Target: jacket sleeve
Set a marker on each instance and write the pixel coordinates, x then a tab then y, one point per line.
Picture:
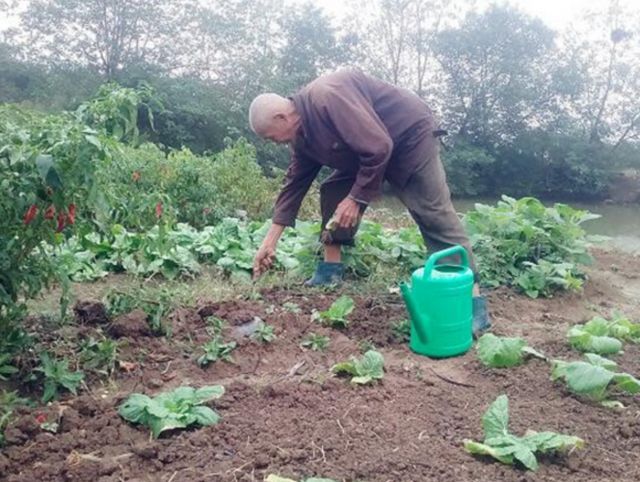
360	128
300	174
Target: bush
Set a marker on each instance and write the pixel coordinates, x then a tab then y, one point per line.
46	170
197	190
524	243
468	169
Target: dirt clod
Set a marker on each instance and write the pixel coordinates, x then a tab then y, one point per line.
90	313
131	324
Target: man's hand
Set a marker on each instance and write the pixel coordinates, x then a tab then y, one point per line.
263	259
267	252
347	213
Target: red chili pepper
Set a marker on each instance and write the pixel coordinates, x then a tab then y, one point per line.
41	418
61	220
71	215
50	213
159	210
30	214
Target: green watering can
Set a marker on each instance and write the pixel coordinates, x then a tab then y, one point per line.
440	303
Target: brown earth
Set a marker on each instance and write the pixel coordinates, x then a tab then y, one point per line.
283	412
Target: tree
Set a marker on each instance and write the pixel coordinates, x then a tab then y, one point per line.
396	38
311	45
607	51
498	74
108	35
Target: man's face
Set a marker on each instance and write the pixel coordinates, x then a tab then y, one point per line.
281	130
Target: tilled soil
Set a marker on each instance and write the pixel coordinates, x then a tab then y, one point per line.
283	413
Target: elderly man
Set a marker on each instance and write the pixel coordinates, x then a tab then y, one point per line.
367	131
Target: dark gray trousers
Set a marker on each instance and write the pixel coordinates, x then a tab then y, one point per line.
427	198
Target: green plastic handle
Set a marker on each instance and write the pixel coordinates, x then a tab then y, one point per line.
435	257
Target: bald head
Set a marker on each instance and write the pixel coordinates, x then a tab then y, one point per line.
273	117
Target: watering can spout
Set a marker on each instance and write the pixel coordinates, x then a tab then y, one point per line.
417	319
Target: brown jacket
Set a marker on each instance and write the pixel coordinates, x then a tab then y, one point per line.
355	124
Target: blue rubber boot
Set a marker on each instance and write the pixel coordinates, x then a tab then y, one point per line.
481	321
326	274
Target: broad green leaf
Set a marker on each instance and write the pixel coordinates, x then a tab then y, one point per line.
586	379
482	449
495	421
71	380
134	408
551	441
338	311
526	457
159	425
208	393
604	345
600	361
183	393
588	342
342	307
500	352
362	380
597	326
50	391
348	367
277	478
205	416
370	365
626	383
157	408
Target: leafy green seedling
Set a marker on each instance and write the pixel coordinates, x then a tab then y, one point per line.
179	408
585	339
401	330
507	448
100	356
9	401
503	352
264	333
622	328
543	277
337	313
156	309
56	376
595	378
216	324
603	336
215	350
6	369
315	342
364	370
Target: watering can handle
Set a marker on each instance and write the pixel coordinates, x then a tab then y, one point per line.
435	257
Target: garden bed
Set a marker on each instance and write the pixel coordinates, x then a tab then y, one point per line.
285	413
